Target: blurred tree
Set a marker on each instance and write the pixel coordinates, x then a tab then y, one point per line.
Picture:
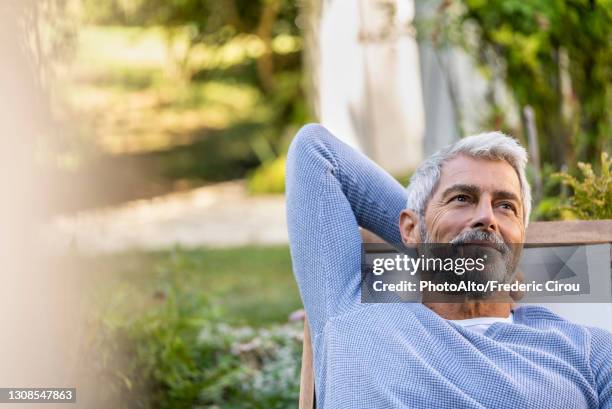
212	22
266	35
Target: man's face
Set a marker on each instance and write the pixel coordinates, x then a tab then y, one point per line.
476	194
477	203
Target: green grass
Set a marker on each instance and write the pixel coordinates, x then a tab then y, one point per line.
250	285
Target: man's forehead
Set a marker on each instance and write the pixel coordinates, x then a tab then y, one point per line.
489	175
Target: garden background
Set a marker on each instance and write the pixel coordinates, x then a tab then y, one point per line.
166	128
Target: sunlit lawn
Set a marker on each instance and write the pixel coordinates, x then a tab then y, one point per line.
128	91
250	285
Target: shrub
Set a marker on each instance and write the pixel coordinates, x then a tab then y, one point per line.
592	193
269	177
180	353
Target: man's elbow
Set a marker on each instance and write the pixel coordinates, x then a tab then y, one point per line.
307	138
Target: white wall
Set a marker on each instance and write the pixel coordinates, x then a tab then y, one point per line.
369	87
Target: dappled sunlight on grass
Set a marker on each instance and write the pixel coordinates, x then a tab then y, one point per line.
156	119
129	102
112	47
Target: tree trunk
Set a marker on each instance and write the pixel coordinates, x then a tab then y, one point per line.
265	62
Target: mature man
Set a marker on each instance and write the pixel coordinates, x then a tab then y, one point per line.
469	354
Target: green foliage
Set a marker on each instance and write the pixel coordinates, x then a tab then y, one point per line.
180	355
177	350
555	56
269	177
547	209
592	193
212	22
214	18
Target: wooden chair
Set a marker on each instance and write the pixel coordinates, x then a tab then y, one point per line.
564	232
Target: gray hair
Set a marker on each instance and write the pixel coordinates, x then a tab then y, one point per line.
490	145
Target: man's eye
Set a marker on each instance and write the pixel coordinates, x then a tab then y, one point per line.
461	198
507	206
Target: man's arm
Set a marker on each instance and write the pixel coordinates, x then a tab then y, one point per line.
331	190
601	364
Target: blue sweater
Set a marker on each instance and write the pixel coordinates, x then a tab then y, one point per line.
405	355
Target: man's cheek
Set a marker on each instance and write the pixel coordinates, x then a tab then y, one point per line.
513	233
450	226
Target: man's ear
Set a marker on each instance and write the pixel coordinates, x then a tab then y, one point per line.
409	227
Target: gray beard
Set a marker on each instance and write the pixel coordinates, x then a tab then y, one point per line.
501	261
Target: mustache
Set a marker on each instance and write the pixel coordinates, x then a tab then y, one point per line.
471	236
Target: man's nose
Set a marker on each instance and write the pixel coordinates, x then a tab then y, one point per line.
484	217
